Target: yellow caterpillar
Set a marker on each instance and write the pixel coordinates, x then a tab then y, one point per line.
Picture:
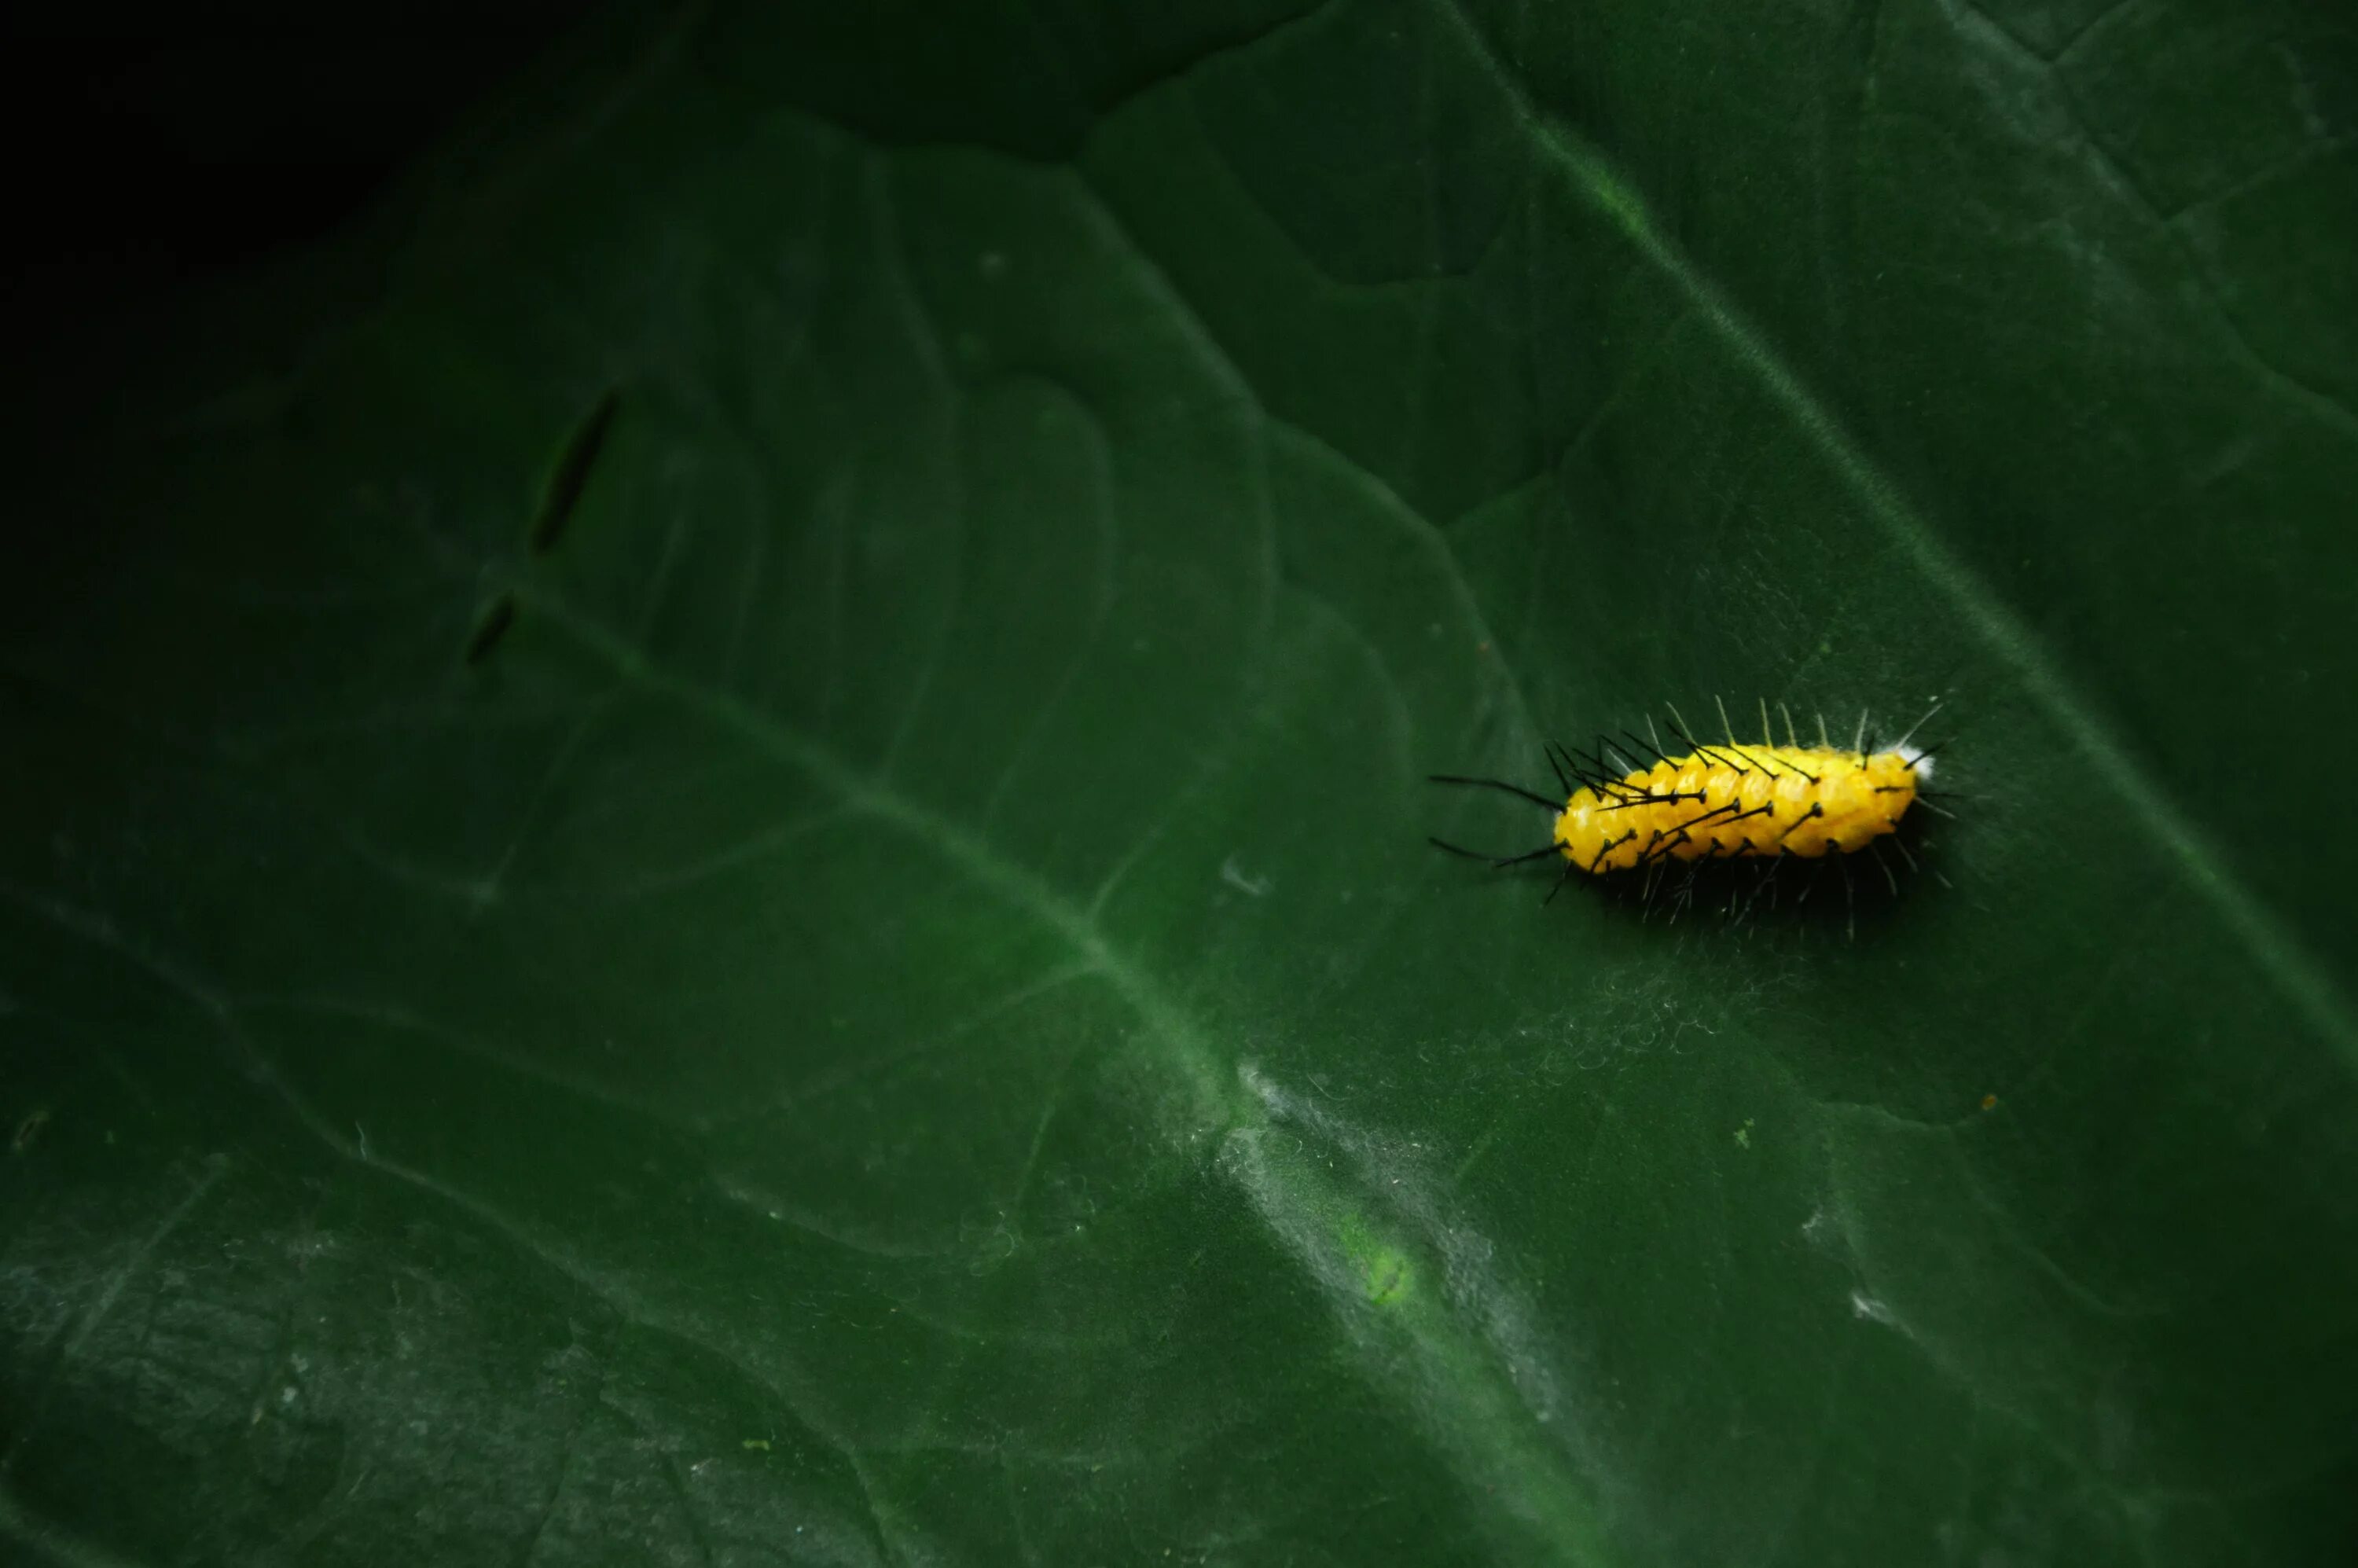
1721	802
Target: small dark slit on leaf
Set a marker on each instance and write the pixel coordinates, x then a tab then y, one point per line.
572	476
490	627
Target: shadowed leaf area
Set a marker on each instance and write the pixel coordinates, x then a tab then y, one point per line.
730	867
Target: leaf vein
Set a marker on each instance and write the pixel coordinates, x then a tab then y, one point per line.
2279	952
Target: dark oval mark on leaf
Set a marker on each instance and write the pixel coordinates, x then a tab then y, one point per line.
572	475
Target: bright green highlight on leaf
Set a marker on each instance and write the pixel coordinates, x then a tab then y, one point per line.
1385	1271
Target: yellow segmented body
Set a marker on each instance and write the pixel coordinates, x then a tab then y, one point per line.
1737	802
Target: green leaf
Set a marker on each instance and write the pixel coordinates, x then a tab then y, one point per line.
739	874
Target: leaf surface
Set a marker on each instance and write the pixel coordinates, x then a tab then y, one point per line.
740	876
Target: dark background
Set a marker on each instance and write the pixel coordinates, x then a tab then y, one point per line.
150	153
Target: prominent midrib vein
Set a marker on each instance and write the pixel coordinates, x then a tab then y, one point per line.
1550	1498
865	797
2279	952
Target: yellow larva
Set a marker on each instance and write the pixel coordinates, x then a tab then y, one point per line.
1721	802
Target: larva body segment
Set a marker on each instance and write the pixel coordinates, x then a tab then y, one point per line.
1738	802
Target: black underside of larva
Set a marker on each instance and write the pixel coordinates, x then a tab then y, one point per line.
1848	895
